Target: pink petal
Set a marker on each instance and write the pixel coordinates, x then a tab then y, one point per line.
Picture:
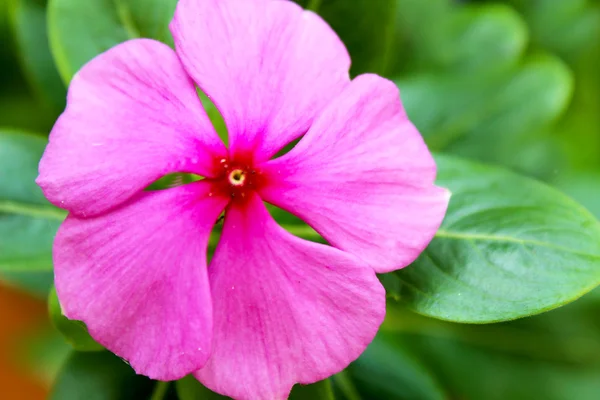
286	310
133	116
268	65
363	178
137	277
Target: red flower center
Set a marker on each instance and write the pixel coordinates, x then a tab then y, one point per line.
237	178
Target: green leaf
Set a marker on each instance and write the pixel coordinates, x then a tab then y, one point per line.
80	30
29	26
422	35
512	119
567	27
509	247
320	390
387	371
74	332
553	356
99	376
28	222
456	113
582	186
486	38
439	36
189	388
366	27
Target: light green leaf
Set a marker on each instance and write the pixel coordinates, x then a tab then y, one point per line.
582	186
437	35
567	27
74	332
99	376
80	30
422	38
509	247
28	222
486	38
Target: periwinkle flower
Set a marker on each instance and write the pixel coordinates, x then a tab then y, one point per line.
271	309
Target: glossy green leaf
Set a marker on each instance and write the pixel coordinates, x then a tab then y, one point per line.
74	332
189	388
387	371
80	30
509	247
99	376
29	26
28	222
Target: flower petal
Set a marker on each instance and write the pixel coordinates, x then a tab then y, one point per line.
363	178
268	65
137	277
133	116
286	310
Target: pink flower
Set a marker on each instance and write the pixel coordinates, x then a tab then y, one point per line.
271	309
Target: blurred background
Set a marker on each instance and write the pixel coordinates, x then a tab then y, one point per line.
514	83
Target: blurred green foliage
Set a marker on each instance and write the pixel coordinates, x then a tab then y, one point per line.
514	83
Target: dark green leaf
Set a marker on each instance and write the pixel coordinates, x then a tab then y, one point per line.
74	332
29	25
552	356
509	247
387	371
366	27
189	388
99	376
319	390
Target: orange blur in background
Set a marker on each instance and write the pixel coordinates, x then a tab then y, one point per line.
20	314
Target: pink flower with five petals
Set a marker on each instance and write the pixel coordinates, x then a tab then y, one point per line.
271	309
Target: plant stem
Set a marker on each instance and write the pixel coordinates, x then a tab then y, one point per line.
314	5
160	390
